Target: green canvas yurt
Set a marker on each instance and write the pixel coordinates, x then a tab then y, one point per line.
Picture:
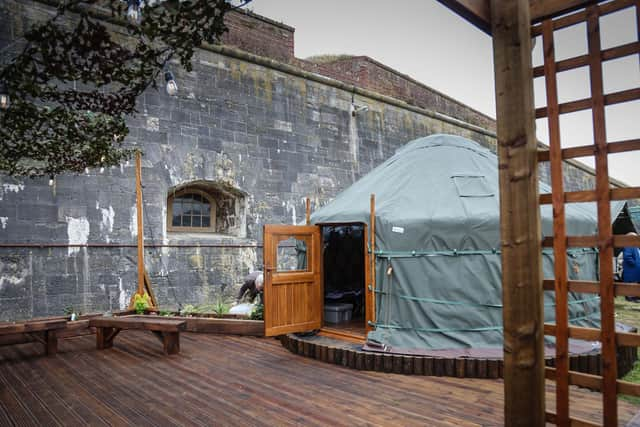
438	268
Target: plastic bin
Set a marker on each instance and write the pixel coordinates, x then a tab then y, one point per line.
337	312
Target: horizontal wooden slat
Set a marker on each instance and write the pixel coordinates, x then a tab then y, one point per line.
630	389
620	288
584	104
626	241
625	193
581	16
590	150
586	334
619	241
155	323
570	197
594	382
8	328
583	60
550	417
623	146
628	339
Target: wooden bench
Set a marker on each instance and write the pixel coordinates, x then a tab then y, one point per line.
167	331
44	331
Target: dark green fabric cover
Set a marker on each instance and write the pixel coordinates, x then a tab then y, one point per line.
439	196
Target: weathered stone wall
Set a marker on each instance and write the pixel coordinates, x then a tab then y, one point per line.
272	133
368	73
276	136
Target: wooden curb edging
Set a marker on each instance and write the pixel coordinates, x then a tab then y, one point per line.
436	366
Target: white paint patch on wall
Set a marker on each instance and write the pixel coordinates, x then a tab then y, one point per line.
106	225
3	221
283	126
354	146
133	222
291	208
153	124
122	295
165	240
12	279
173	175
248	258
10	188
78	233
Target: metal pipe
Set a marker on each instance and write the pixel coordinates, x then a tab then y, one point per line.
120	245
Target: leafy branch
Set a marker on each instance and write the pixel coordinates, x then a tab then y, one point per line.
74	83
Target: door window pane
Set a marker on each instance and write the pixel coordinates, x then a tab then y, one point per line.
291	255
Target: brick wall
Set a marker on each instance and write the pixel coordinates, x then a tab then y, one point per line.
264	37
259	35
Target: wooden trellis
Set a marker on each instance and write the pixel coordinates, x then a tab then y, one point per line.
512	24
603	194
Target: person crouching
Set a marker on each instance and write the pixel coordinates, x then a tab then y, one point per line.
251	290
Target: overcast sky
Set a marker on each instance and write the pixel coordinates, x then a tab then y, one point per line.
425	40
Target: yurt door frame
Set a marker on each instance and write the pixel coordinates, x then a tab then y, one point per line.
294	300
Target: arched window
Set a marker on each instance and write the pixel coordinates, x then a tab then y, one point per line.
191	210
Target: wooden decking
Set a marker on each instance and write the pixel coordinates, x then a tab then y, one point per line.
227	380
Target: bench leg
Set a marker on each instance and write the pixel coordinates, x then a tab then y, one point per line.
51	342
105	336
171	342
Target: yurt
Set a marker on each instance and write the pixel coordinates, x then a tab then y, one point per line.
437	249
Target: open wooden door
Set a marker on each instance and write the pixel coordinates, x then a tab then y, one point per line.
293	297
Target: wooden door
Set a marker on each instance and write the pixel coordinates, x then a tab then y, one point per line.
292	279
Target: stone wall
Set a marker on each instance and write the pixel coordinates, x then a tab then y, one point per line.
275	136
265	130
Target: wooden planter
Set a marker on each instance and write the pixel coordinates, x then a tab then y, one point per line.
227	324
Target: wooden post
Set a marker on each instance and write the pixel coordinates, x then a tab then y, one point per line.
308	211
605	240
559	228
140	223
519	215
372	228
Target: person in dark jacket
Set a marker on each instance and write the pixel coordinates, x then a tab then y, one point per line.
252	287
631	266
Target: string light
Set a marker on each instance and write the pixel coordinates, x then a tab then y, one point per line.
133	12
172	86
4	97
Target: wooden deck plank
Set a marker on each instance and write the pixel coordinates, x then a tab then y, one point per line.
232	380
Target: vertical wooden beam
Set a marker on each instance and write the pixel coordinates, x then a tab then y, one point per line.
308	202
149	289
370	296
519	215
559	228
140	223
605	238
372	228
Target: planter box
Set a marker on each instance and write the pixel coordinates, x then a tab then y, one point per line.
230	326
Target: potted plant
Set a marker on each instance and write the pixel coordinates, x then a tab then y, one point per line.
72	313
141	303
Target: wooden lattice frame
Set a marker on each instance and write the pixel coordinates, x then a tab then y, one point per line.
603	194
